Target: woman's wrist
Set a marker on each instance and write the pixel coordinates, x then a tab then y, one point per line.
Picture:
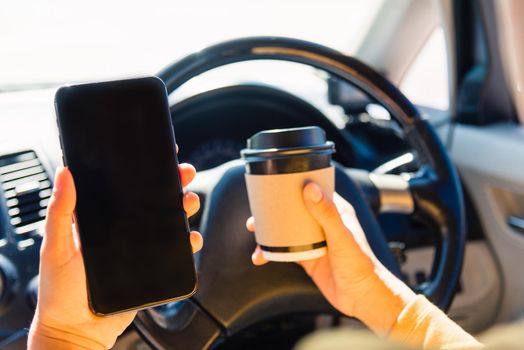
387	298
42	337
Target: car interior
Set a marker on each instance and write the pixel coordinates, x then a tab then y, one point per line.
422	98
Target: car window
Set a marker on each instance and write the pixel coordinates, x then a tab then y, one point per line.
65	41
426	81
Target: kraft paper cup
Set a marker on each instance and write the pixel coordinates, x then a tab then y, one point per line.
285	230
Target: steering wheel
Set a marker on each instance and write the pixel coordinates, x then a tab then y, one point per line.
232	293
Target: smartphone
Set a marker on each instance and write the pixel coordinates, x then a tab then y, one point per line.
118	142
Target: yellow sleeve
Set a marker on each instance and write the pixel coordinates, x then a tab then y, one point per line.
422	324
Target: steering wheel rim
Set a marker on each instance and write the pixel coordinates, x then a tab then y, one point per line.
434	191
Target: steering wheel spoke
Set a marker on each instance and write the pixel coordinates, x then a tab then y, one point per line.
384	193
185	325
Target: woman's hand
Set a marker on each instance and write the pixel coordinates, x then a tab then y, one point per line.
349	276
63	319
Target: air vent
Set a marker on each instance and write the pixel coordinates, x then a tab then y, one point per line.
27	189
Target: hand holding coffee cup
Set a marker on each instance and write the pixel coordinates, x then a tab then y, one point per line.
279	163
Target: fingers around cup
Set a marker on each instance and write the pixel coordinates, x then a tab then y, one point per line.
197	241
250	224
187	173
257	258
324	211
191	203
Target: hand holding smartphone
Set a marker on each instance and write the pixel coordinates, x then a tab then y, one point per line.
118	142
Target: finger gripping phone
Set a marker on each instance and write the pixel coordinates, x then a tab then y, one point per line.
118	142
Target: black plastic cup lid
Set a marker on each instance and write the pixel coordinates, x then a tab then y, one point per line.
286	142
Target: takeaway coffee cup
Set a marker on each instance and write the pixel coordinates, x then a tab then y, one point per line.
279	163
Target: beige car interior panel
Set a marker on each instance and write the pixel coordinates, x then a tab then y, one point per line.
490	160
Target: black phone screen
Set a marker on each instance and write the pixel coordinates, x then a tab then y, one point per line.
118	142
